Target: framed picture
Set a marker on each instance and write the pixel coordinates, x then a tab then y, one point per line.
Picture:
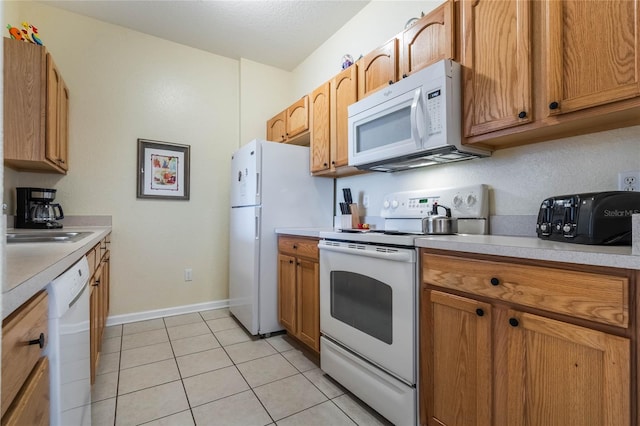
163	170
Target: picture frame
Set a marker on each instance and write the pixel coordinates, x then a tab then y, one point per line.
163	170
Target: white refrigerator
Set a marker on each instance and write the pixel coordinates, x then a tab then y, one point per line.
271	187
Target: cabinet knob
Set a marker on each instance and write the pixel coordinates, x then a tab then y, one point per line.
290	262
295	247
39	341
495	281
297	263
522	114
390	82
325	165
513	322
333	162
479	312
553	105
96	283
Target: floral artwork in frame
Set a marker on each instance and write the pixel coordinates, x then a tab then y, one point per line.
163	170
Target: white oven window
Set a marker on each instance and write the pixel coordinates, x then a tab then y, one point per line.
363	303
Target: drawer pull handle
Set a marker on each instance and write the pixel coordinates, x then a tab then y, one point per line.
295	247
39	341
96	283
513	322
479	312
495	281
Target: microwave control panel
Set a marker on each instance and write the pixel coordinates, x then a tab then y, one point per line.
434	111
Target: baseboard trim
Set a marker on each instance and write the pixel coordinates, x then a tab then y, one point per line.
167	312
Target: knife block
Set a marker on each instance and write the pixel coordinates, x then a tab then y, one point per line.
355	216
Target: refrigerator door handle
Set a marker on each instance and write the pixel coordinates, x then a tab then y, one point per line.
258	186
257	228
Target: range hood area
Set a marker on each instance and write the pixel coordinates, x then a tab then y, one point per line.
444	154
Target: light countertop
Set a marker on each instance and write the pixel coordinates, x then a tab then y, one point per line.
31	266
303	232
534	248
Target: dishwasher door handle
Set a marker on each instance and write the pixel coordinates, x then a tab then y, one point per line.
75	299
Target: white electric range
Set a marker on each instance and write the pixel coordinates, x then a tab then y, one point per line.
369	297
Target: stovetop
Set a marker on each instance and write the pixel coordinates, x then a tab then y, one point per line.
403	213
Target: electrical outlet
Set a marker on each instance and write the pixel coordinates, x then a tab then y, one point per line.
629	180
365	201
188	274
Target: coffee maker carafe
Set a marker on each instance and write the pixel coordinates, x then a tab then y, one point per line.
37	210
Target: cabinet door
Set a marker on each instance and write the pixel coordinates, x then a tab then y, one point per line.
94	310
287	292
63	126
378	69
31	406
592	53
455	360
276	128
429	40
496	55
54	88
344	92
308	276
298	117
571	374
320	129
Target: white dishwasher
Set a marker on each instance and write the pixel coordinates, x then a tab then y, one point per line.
69	347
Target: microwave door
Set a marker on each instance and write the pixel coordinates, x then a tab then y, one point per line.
387	130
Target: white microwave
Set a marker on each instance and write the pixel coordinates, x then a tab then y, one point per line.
415	122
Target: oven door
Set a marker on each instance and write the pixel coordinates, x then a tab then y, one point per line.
367	303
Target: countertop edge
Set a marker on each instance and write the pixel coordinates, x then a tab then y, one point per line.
302	232
532	248
12	299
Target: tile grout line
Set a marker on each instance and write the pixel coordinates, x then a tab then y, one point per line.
175	360
242	375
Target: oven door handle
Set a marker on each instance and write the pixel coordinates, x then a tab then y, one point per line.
397	256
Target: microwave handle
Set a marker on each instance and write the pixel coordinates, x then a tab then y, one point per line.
415	132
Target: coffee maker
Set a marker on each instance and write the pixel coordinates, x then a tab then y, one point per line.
36	210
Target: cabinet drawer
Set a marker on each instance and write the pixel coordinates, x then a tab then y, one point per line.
19	357
31	406
307	247
596	297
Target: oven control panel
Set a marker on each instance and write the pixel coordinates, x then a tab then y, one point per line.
464	202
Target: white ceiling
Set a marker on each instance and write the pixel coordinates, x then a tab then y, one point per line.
280	33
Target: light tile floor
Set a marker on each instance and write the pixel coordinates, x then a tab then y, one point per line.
204	369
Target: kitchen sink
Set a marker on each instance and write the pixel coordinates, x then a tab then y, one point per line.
45	237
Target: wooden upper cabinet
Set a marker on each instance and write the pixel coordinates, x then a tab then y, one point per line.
277	128
320	129
36	110
429	40
344	92
298	117
592	53
496	56
378	68
291	124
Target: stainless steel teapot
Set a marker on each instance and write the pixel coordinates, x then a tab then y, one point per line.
437	224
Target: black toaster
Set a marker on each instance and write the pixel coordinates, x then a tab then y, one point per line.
590	218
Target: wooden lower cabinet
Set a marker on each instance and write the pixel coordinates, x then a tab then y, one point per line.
299	289
25	372
99	301
487	362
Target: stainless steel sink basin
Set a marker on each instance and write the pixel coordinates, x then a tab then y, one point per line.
45	237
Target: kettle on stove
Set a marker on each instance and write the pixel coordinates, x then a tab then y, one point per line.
437	224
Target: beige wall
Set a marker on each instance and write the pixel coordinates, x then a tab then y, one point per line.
125	85
264	91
